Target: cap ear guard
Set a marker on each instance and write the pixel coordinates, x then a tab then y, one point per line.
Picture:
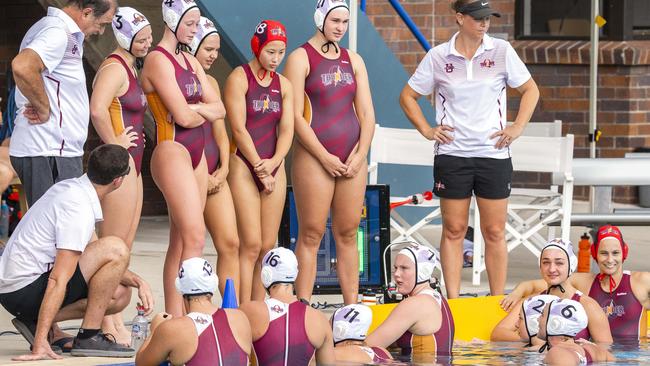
340	330
267	277
553	326
177	283
319	19
425	271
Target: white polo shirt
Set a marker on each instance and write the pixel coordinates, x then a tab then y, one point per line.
471	94
57	39
64	218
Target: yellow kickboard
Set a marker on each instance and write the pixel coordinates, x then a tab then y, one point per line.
474	317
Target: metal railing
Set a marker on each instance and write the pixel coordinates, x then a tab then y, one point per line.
406	18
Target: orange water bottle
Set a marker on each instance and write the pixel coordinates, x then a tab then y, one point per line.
584	255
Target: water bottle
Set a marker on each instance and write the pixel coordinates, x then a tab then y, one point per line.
139	329
4	220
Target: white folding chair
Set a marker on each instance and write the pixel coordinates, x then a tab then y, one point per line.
403	147
543	129
531	210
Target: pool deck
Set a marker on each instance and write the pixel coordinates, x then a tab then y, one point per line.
151	244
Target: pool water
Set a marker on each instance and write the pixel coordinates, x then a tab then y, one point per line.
510	353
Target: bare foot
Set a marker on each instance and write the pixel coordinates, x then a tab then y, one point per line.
58	333
122	334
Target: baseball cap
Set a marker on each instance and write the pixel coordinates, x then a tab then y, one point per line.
351	323
196	277
127	22
279	266
478	10
174	10
206	28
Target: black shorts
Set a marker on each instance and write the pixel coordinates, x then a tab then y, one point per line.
26	302
455	177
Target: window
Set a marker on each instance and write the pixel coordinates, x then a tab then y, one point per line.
571	19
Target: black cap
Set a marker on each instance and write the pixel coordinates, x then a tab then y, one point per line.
479	10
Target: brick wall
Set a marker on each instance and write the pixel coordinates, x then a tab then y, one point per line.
561	70
16	16
397	36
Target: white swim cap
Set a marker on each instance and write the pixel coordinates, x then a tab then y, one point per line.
279	266
196	277
425	259
532	309
324	8
565	318
351	323
206	28
127	22
174	10
567	248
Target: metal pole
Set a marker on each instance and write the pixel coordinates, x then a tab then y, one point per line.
410	24
354	17
593	89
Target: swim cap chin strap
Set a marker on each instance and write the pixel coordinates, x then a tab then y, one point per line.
612	281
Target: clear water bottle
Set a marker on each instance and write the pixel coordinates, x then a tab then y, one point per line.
4	220
139	329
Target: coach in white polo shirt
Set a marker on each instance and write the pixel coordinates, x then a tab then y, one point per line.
469	75
51	271
51	97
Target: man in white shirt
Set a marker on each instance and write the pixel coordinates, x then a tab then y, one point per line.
51	271
51	97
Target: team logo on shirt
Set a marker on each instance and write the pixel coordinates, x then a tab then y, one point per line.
201	320
193	89
276	308
449	68
440	186
487	63
266	104
336	77
614	310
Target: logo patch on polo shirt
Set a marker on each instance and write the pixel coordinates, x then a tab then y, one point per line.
449	68
487	63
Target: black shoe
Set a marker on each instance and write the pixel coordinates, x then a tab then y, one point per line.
100	345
